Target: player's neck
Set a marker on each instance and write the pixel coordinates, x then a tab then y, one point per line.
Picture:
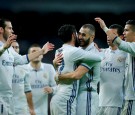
71	43
113	47
36	65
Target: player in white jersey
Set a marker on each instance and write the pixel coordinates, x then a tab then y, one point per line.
87	93
8	57
64	101
21	88
128	46
111	94
41	80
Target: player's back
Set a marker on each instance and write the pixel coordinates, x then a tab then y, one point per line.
69	62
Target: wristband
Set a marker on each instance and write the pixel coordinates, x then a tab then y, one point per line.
2	49
105	29
114	39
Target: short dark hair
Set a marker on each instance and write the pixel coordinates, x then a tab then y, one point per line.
132	23
90	27
65	32
2	22
33	45
119	28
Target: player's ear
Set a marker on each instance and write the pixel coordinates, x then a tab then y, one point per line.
74	35
1	30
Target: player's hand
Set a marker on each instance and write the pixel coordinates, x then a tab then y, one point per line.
48	89
57	60
101	22
32	112
107	31
56	77
47	47
97	47
12	38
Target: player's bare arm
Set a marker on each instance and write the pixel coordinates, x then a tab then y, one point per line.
102	24
47	47
77	74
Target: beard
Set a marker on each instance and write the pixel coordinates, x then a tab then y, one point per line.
85	42
5	36
35	61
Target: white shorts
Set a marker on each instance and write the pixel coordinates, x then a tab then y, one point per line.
87	103
109	111
22	111
62	106
6	106
129	108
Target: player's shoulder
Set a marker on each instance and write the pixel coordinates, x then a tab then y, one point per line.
76	50
59	50
123	53
69	50
22	67
105	49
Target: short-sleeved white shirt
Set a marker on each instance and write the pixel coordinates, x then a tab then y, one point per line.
112	78
38	80
20	86
7	59
65	97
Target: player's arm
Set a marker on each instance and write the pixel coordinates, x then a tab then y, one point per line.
23	59
122	45
108	32
47	47
77	74
95	44
28	93
30	102
128	47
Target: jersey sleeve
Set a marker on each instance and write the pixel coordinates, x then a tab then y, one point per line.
1	49
128	47
27	86
85	65
80	54
19	59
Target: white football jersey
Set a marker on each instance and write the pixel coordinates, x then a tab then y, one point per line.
112	78
88	98
128	47
7	59
64	101
20	86
38	80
